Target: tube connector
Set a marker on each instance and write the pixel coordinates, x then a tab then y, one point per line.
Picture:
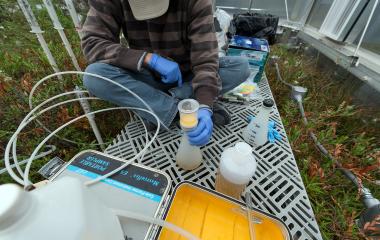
368	199
273	59
298	93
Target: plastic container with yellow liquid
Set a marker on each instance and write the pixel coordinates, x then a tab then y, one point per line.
213	216
237	167
188	113
188	157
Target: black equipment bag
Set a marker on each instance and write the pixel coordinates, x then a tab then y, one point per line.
255	25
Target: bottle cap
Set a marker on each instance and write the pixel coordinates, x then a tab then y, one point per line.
243	148
243	151
238	163
14	204
268	103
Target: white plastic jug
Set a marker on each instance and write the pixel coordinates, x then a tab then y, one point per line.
61	210
237	167
256	133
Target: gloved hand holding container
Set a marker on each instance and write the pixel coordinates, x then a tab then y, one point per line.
188	156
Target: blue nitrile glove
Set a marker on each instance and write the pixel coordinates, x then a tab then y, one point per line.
201	134
273	134
169	70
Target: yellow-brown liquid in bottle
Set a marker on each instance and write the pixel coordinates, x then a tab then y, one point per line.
188	120
228	188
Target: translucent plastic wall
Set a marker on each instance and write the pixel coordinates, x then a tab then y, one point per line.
319	12
371	40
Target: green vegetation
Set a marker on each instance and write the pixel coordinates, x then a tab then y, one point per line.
22	64
351	133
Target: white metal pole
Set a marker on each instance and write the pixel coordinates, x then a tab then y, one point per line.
306	13
58	26
28	13
365	30
74	17
250	6
287	11
91	118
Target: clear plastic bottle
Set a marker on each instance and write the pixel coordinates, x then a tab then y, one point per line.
256	133
61	210
237	167
188	157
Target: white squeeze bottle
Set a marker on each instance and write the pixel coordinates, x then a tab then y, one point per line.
61	210
256	133
237	167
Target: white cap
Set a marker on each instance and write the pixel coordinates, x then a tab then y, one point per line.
238	164
244	151
148	9
14	202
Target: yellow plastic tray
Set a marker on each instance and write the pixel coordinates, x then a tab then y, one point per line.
212	216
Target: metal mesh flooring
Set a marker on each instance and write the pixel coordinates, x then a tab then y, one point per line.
277	186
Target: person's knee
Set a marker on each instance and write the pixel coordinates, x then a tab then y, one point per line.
244	68
93	83
237	65
97	68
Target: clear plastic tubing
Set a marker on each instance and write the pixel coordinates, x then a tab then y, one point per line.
156	221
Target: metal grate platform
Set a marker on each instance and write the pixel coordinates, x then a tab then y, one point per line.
277	186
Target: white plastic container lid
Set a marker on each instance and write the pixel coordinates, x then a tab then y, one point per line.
238	165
